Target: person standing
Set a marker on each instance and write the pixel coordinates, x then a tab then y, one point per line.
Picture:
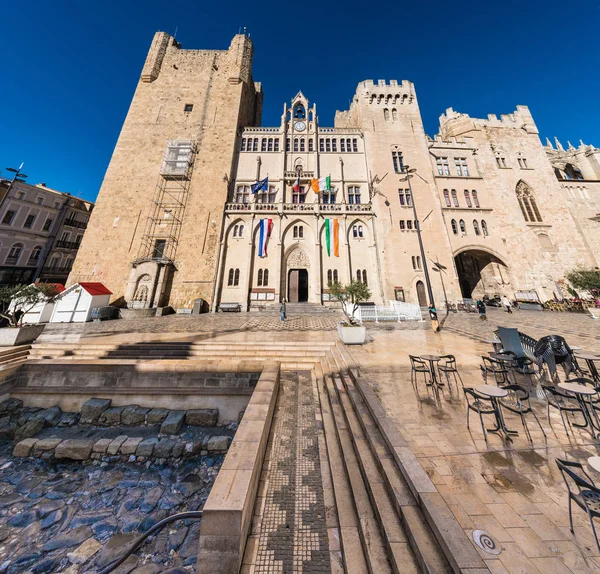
282	309
481	309
506	304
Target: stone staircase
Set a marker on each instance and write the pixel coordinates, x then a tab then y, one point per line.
11	357
385	525
296	309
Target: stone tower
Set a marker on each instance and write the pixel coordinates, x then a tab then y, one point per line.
154	235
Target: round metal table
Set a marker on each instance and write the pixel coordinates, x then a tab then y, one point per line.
594	462
582	392
497	344
496	393
590	359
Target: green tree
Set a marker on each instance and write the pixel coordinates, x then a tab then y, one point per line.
350	295
25	298
585	279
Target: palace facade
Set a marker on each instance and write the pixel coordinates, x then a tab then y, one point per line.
176	218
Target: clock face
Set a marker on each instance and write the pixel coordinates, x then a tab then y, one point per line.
299	126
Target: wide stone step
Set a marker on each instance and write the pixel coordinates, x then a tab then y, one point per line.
371	538
257	355
422	541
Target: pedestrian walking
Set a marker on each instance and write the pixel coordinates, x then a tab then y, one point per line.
481	309
282	309
506	304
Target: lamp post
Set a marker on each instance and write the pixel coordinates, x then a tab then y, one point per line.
18	176
408	174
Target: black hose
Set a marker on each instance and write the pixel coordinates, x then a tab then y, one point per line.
138	542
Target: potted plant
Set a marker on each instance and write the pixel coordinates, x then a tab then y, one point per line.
15	302
351	331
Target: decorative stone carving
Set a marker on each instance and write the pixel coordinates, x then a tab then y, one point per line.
297	259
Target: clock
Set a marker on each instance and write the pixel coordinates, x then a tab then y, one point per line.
299	126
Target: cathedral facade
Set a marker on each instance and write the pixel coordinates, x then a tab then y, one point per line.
201	201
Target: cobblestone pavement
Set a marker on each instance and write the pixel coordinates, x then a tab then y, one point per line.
77	517
513	490
289	531
577	328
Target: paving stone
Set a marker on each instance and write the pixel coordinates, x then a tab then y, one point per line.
88	517
189	484
134	416
218	443
146	447
115	445
48	506
151	499
29	429
173	423
178	449
105	528
22	519
128	566
157	416
28	484
24	447
148	569
70	538
8	429
53	518
130	445
68	419
74	449
45	565
101	445
176	538
112	416
92	409
45	445
202	417
84	552
163	448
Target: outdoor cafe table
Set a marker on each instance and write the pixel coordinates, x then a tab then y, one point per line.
594	462
509	361
496	393
590	359
432	359
581	392
497	343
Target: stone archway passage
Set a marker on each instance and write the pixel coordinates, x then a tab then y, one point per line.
477	275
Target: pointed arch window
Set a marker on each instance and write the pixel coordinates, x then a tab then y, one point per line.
394	115
476	227
454	227
468	198
260	278
484	228
527	203
463	228
475	198
386	115
447	198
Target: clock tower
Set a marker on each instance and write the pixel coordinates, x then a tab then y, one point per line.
301	127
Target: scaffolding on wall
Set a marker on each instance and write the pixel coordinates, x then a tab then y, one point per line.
161	236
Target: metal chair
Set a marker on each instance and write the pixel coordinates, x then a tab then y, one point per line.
512	342
496	368
518	402
447	366
562	402
587	496
479	404
418	365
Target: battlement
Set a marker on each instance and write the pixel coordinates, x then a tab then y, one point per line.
453	123
451	142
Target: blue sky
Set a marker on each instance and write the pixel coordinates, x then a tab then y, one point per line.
70	67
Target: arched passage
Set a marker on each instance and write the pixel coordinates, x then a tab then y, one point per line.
480	272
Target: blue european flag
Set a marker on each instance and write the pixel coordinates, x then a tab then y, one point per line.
260	185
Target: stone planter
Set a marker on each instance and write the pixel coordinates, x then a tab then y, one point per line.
10	336
354	335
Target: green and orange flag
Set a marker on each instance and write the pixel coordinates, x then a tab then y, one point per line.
332	234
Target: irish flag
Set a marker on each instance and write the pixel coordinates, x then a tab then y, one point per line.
321	184
332	233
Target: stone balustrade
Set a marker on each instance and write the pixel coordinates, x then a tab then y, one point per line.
316	208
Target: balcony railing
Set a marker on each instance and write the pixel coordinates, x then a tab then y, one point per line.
303	176
75	223
315	208
68	244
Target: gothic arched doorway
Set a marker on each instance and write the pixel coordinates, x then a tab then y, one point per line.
480	273
297	266
421	294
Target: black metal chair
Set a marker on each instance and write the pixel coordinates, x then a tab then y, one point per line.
518	402
481	405
587	496
447	366
563	402
554	351
513	342
495	368
418	365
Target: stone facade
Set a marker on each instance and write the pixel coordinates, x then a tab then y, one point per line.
499	212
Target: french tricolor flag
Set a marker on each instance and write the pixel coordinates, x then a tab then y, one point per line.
264	232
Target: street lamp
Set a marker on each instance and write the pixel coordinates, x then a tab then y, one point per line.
408	174
20	177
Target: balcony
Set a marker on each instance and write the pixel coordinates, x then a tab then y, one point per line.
68	244
76	224
303	175
314	208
